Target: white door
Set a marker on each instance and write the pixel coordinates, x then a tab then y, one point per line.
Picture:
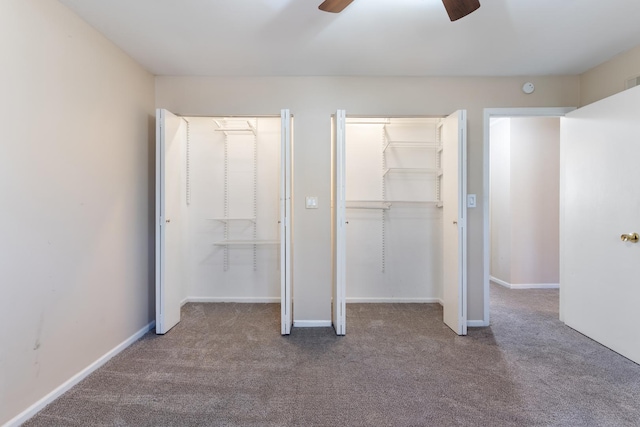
600	202
339	300
286	297
454	217
169	254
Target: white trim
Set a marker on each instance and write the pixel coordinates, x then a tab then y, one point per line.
524	285
486	125
536	286
242	300
500	282
358	300
67	385
312	323
477	323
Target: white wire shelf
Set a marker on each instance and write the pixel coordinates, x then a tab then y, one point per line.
412	144
388	204
230	219
235	126
234	130
367	204
436	171
246	242
412	203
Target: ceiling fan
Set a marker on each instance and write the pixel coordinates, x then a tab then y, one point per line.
455	8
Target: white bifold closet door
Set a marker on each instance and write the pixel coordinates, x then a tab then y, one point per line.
454	217
286	173
170	268
339	289
171	277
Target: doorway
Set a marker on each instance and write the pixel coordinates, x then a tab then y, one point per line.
503	213
525	202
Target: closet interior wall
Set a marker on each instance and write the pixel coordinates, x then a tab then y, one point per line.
232	168
394	214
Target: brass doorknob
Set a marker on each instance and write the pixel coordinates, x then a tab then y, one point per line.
631	237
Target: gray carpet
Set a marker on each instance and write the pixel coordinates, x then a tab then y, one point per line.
227	365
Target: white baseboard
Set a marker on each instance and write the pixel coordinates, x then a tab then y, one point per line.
67	385
477	323
524	285
500	282
234	299
312	323
536	286
357	300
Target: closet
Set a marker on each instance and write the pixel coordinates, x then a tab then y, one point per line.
399	224
223	216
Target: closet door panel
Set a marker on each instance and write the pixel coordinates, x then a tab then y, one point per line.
340	234
286	305
454	166
170	277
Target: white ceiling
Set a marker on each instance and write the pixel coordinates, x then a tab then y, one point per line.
370	37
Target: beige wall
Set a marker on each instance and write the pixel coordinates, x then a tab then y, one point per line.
535	186
610	77
313	100
76	185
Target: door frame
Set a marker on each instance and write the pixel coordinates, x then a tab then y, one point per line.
490	113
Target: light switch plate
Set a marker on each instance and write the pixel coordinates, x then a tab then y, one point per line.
311	202
471	200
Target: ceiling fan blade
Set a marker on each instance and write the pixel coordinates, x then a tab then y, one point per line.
334	6
460	8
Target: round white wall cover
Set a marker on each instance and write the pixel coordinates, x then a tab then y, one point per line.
528	87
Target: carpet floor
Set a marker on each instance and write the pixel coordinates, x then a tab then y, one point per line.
398	365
